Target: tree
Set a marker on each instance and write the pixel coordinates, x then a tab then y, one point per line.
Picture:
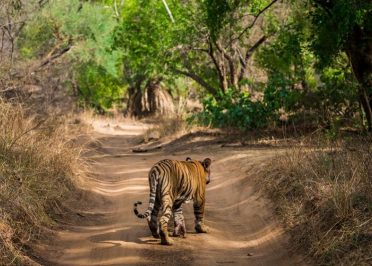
296	85
346	26
224	36
144	37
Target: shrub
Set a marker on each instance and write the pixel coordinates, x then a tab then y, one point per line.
38	167
233	109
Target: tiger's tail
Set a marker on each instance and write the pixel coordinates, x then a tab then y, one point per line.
148	212
141	215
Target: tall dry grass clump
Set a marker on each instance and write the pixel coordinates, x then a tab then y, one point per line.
38	167
325	199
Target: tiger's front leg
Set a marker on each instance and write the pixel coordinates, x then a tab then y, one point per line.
200	227
179	222
166	203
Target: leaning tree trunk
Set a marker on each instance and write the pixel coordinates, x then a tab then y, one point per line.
159	100
134	104
359	51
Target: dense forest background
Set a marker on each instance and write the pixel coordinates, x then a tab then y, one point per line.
252	64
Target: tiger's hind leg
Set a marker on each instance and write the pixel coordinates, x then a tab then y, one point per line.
199	216
179	222
166	203
153	221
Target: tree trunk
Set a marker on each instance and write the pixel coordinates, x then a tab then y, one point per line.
134	104
359	51
154	101
159	101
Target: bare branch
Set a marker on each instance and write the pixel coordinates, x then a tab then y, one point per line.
230	60
220	73
251	25
168	10
51	58
241	59
198	79
248	55
116	9
254	47
42	2
11	23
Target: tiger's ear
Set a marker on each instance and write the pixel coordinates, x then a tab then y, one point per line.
207	163
188	159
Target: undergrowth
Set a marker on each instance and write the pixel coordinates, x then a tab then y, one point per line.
324	196
38	169
166	126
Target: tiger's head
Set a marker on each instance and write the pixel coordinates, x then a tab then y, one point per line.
207	168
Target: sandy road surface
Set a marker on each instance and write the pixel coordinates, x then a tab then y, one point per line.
243	229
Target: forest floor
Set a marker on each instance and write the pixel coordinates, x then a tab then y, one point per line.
244	229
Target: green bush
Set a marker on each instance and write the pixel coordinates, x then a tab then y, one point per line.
233	109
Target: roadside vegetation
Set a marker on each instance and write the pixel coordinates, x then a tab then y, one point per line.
324	197
39	169
297	67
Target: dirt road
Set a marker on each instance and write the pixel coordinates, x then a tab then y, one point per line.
243	229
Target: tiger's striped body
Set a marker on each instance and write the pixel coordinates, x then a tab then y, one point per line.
171	184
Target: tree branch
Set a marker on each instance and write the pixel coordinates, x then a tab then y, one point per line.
241	58
42	2
168	11
251	25
217	65
198	79
230	60
53	57
248	55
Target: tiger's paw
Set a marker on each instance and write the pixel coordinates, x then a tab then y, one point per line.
166	241
201	228
155	235
179	234
154	228
179	229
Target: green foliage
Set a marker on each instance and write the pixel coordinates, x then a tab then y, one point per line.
88	29
36	41
98	88
221	14
216	15
233	109
143	36
114	49
279	93
333	23
298	85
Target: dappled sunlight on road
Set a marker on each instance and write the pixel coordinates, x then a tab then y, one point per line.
108	127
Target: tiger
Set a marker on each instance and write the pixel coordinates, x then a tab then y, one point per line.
179	220
172	183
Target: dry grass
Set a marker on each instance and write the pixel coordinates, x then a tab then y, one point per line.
166	126
38	168
325	199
